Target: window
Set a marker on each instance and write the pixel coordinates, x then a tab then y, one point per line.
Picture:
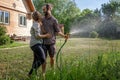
4	17
22	20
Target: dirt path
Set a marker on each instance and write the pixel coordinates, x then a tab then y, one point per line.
14	47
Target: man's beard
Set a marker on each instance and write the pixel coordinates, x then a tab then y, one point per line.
46	14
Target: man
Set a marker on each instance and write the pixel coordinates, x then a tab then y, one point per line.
50	25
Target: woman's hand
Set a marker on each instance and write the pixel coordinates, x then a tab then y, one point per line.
48	35
44	36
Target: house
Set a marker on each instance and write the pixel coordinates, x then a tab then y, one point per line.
14	14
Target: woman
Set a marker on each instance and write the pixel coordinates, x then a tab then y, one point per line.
36	42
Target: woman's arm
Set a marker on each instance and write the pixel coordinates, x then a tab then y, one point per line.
43	36
38	33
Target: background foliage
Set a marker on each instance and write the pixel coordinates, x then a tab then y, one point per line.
105	21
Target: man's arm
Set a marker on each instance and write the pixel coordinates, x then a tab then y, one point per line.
63	35
57	30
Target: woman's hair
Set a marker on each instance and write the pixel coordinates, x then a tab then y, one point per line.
37	16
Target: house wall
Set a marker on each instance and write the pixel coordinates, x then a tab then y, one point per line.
15	8
20	5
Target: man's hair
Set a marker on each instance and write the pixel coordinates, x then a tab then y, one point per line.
36	16
48	6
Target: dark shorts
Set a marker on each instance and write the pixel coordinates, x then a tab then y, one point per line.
50	49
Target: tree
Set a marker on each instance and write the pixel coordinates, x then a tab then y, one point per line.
108	25
64	10
109	9
108	29
87	22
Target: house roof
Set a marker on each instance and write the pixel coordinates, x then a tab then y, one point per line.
31	5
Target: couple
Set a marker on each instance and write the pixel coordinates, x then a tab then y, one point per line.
43	38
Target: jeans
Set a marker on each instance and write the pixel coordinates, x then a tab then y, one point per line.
39	57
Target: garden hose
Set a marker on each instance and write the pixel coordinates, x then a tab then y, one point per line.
59	52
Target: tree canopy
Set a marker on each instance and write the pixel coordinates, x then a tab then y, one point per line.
104	21
64	10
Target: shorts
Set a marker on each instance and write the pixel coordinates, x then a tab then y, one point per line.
50	49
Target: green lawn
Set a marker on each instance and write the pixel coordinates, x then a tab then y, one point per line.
82	59
14	44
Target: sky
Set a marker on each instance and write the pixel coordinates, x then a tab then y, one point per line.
90	4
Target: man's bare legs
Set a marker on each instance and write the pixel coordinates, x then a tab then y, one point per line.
52	62
51	65
43	70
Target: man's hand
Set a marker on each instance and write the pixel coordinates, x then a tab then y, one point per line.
66	36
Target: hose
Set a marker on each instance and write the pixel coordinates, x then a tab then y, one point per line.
59	53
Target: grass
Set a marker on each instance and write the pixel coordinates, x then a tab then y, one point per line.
14	44
82	59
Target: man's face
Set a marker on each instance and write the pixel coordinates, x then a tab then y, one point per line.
44	10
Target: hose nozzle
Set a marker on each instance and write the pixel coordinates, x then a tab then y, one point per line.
67	36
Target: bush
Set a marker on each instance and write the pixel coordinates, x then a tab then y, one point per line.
2	30
93	34
107	29
4	39
11	41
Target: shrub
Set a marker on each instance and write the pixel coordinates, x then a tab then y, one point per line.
4	39
11	41
2	30
107	29
93	34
